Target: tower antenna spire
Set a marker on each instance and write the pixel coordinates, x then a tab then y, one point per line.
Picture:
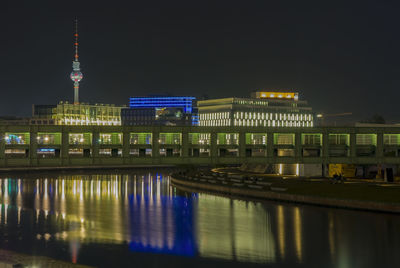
76	39
76	74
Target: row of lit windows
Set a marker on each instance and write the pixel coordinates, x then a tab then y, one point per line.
214	116
87	112
87	122
270	123
198	138
251	102
256	123
228	138
215	123
273	116
256	116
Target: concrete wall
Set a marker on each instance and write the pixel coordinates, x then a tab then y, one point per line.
310	170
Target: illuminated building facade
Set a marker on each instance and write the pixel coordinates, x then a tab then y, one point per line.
160	110
184	102
81	114
264	109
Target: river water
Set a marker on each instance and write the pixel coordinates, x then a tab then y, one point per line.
137	218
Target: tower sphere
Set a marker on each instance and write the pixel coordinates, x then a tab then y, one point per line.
76	76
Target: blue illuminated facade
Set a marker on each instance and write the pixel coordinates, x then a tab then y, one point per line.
184	102
160	110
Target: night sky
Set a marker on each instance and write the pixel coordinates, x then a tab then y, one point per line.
342	56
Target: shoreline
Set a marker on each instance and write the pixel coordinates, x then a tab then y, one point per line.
66	168
231	190
9	258
286	197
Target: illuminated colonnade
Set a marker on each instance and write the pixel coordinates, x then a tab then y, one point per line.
96	145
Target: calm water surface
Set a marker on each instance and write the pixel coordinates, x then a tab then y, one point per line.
138	218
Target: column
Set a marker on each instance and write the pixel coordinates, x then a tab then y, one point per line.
214	149
298	145
33	147
353	145
155	151
379	145
325	145
126	135
242	144
95	146
270	144
65	147
2	148
185	144
325	154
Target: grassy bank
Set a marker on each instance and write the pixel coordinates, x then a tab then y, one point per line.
351	193
350	189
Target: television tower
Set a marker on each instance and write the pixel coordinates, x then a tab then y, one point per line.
76	75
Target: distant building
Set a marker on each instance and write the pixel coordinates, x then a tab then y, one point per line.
14	120
81	114
160	110
264	108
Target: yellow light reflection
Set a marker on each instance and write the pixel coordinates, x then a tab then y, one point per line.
141	209
281	231
331	236
239	234
298	234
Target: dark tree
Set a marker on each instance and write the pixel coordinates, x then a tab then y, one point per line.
375	119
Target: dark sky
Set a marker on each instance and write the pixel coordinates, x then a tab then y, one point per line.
342	56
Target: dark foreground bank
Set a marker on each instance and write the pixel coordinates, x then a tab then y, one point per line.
353	194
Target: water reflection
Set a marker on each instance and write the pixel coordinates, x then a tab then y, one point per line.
145	213
140	210
234	230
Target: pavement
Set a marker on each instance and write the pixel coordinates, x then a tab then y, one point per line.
11	259
378	182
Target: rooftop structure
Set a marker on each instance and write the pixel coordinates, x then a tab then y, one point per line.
275	95
184	102
267	109
80	114
160	110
